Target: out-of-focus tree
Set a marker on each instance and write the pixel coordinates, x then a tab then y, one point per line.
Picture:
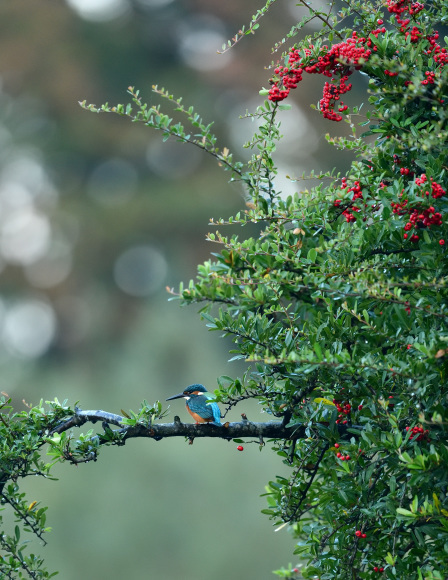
338	302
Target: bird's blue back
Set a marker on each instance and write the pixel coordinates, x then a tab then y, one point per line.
200	404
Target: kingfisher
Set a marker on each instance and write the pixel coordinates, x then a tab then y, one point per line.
198	404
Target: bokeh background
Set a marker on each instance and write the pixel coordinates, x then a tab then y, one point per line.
97	217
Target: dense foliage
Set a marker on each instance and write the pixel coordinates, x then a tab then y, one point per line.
339	304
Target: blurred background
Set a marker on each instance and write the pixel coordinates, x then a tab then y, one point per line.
97	217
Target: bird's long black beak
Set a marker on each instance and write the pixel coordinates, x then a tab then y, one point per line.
180	395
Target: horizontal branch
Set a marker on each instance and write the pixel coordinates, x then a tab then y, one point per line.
244	428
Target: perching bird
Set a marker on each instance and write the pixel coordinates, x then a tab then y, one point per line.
198	405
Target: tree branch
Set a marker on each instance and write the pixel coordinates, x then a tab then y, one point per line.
270	429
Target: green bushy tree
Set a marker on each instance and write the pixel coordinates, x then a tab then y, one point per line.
338	305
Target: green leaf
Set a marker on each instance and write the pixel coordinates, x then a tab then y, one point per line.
406	513
312	255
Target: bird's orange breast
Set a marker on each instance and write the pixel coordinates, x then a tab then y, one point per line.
197	417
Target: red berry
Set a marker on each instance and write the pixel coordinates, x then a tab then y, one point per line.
339	454
358	533
336	445
381	569
441	242
240	447
375	569
347	457
363	535
359	407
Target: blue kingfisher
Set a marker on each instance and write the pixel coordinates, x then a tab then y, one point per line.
197	400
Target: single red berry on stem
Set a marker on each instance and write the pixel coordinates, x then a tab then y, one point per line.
240	447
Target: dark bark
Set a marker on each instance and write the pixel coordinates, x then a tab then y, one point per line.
242	429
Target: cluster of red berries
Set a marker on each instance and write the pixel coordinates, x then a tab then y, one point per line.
340	61
378	569
340	455
439	54
344	410
388	73
360	534
331	94
276	94
403	170
430	76
427	218
419	433
347	213
336	63
414	34
356	188
349	217
437	190
399	7
419	217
